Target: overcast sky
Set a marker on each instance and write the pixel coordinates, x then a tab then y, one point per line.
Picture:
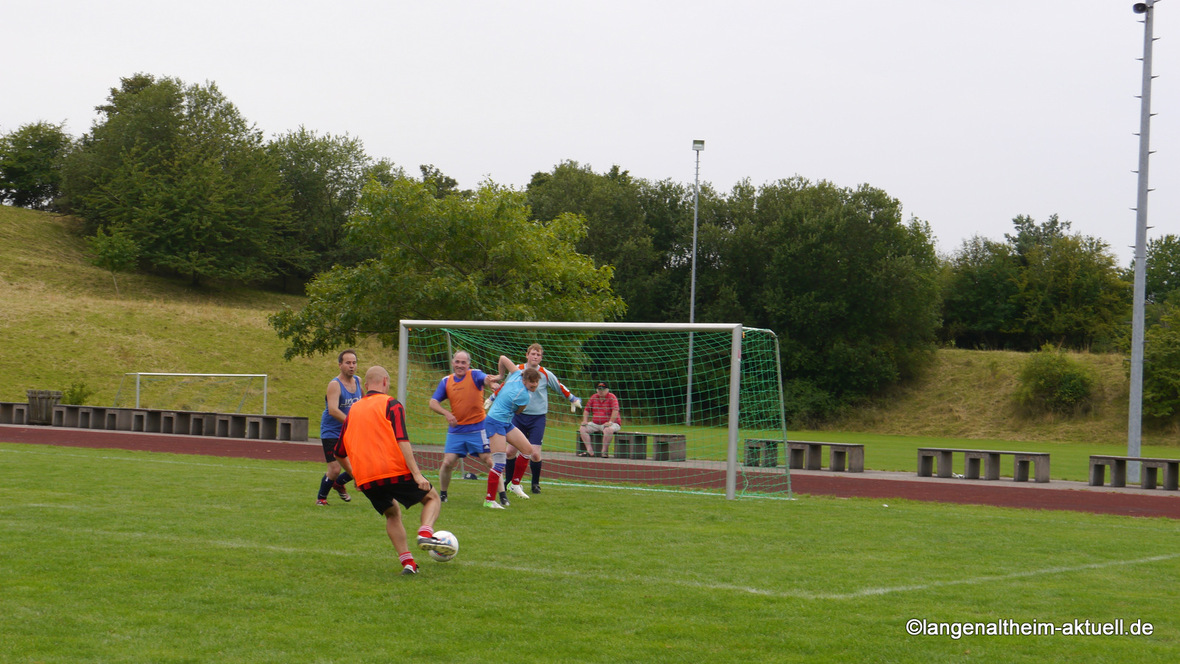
968	112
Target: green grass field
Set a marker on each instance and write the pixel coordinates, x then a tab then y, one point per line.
119	556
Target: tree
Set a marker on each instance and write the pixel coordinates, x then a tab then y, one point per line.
978	294
1163	269
1070	294
442	184
1161	366
182	172
323	176
478	257
30	164
628	224
114	252
1045	285
850	288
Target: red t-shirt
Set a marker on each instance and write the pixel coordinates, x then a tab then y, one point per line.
601	407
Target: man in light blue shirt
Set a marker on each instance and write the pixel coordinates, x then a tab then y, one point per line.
512	398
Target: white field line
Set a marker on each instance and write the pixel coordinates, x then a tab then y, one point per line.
647	579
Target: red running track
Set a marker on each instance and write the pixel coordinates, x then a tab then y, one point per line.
1054	496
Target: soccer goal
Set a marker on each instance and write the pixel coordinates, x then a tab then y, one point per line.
222	393
701	404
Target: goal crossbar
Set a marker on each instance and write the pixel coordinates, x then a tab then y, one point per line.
735	367
140	374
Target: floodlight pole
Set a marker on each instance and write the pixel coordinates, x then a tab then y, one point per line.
697	146
1135	408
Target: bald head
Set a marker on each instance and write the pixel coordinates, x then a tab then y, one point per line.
377	380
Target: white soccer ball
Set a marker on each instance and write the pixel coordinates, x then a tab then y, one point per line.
448	537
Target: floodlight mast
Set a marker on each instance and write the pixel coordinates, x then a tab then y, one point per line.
697	146
1135	407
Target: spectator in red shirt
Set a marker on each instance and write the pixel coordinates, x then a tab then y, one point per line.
601	415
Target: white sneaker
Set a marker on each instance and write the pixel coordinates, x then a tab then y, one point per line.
492	505
516	488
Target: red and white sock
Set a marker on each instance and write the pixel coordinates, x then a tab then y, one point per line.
522	464
493	484
426	531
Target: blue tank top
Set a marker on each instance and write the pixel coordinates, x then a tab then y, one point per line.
330	426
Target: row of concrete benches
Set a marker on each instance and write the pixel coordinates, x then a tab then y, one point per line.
149	420
932	461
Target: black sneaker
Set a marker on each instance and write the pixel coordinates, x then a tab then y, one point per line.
443	495
536	488
504	499
470	476
409	569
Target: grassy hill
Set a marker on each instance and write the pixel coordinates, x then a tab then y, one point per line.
61	323
970	394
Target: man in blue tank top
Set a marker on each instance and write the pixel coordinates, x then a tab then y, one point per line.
343	391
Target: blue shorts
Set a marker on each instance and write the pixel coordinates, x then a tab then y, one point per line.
493	427
533	427
473	443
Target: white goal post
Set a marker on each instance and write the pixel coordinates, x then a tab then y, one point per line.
735	331
140	374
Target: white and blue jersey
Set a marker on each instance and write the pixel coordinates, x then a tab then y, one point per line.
539	400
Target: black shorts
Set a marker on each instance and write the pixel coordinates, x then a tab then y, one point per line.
329	448
404	490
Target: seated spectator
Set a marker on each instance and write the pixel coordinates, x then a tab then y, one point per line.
601	415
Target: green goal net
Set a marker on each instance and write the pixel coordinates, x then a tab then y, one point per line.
701	405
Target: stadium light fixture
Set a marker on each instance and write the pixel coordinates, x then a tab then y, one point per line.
1135	407
697	146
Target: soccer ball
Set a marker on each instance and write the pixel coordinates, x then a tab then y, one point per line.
448	537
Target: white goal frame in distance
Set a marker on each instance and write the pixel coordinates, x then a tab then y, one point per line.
735	362
137	375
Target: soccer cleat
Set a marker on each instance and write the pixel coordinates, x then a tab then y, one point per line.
409	569
343	494
435	544
516	488
321	501
536	488
442	496
470	476
504	499
492	505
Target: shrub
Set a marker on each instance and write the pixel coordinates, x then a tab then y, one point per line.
1051	382
1161	367
76	394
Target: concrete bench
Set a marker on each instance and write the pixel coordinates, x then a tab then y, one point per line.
633	445
808	455
627	444
14	413
987	460
669	447
761	452
1148	478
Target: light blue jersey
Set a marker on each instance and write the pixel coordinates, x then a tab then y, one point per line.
512	395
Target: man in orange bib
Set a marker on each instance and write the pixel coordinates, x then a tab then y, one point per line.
375	449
